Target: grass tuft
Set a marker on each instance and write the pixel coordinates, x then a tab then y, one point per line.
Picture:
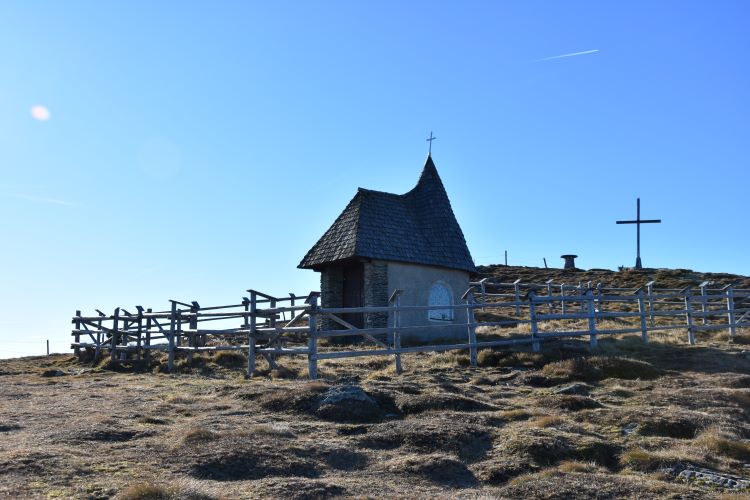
230	359
724	444
147	491
200	435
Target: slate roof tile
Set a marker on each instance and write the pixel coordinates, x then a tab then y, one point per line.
418	227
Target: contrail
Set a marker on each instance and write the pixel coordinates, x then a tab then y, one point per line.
572	54
40	199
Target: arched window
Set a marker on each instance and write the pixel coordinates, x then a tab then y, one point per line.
440	295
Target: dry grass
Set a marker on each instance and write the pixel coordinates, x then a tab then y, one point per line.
443	429
571	466
547	421
724	443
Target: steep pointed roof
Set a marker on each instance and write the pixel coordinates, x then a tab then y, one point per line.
417	227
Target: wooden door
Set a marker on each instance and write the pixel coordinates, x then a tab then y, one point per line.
354	293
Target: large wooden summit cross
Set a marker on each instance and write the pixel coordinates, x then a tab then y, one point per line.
638	221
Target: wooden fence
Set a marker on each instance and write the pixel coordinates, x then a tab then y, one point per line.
269	327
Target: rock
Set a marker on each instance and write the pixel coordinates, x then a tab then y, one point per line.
577	389
53	373
630	428
348	403
693	474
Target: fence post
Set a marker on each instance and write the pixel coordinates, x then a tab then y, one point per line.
484	291
172	330
470	327
193	325
599	293
549	294
642	313
139	341
562	297
272	324
395	299
730	311
99	338
148	337
689	316
252	320
517	291
650	291
704	303
535	347
593	341
77	336
312	342
292	298
581	293
115	335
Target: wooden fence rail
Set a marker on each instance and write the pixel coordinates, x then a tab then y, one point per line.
261	326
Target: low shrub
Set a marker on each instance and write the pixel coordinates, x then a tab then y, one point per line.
642	460
147	491
724	444
230	359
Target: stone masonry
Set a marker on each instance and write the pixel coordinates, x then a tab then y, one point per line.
376	293
332	293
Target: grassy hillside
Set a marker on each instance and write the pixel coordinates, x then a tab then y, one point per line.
626	420
629	278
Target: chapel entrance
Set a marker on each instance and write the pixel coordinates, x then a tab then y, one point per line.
354	293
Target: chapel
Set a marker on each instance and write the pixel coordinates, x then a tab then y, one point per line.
382	242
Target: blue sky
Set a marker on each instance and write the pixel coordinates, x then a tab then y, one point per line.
197	149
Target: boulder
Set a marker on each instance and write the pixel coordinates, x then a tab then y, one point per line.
348	403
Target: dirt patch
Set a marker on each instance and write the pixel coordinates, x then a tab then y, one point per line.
570	402
410	405
236	456
546	446
496	471
467	441
340	458
737	382
299	489
300	398
439	469
676	426
105	435
596	486
9	426
598	368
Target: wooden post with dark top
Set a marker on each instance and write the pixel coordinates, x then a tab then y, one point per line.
250	325
147	354
139	340
729	289
549	294
115	339
535	347
395	300
77	336
172	333
593	341
642	315
650	291
689	315
312	343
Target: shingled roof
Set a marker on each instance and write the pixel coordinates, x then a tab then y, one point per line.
417	227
